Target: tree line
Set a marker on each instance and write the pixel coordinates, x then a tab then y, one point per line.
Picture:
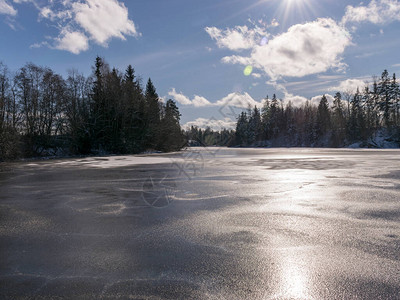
351	118
41	113
199	137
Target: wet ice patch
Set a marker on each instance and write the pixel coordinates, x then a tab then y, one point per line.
117	161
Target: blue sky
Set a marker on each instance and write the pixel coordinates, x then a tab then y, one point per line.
212	57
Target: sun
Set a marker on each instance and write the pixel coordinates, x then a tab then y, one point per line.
287	12
296	11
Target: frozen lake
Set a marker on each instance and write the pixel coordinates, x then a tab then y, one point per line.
211	223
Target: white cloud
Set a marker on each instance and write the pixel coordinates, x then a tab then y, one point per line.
240	100
366	54
81	21
214	124
48	13
104	19
304	49
349	85
72	41
39	45
315	100
296	100
237	38
236	59
396	65
197	101
179	97
7	9
377	12
274	23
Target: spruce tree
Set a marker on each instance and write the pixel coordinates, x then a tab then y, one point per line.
323	117
395	99
385	99
134	116
356	125
153	115
254	134
265	119
242	130
338	121
172	138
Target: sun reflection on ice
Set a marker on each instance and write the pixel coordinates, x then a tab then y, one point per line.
294	281
293	190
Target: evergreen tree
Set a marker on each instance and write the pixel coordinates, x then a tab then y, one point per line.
134	133
338	121
170	129
114	112
273	118
385	99
395	100
356	125
323	117
98	106
153	114
310	125
290	126
265	119
376	106
254	134
242	129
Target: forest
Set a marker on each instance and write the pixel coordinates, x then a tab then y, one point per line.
199	137
351	118
43	114
110	112
358	118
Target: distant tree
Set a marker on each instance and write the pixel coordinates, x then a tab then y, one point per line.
9	138
385	97
173	139
323	117
98	105
356	123
375	102
338	121
290	126
310	124
395	99
114	112
153	114
265	119
242	128
135	130
273	117
78	112
254	126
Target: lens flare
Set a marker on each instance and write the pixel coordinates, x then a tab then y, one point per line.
264	41
247	71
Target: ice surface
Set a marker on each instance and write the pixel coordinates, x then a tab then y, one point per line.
211	223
